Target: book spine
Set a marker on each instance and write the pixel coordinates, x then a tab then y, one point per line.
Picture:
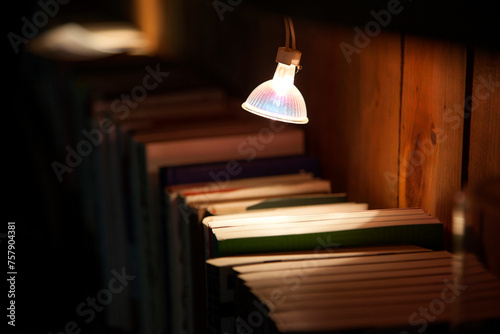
173	175
423	235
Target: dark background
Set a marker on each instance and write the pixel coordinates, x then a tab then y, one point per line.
56	266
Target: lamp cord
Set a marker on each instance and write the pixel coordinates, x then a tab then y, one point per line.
287	31
290	31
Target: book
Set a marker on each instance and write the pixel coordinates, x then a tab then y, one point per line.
316	221
240	209
152	118
299	201
338	294
310	212
273	190
425	232
226	170
215	186
187	206
124	194
117	247
174	127
224	147
300	213
221	276
228	208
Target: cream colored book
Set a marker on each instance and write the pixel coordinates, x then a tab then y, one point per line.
291	188
216	148
285	229
308	213
229	185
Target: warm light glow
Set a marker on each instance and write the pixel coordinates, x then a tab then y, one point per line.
278	98
74	41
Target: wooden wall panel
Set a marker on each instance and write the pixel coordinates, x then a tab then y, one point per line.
484	149
353	109
484	159
432	126
375	134
329	86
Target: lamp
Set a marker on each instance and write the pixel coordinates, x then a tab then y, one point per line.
278	98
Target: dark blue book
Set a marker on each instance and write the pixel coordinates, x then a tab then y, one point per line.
238	169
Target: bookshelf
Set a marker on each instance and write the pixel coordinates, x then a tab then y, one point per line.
370	104
390	127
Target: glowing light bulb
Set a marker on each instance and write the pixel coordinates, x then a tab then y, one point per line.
278	98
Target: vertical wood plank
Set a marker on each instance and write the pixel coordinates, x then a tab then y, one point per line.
484	159
375	133
147	18
329	86
484	151
353	107
432	127
161	22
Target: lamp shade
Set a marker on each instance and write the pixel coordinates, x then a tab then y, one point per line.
278	98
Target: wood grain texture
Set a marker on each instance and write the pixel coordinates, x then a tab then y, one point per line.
374	136
484	159
484	152
329	86
353	109
432	127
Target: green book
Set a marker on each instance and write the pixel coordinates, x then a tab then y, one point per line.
426	232
300	201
